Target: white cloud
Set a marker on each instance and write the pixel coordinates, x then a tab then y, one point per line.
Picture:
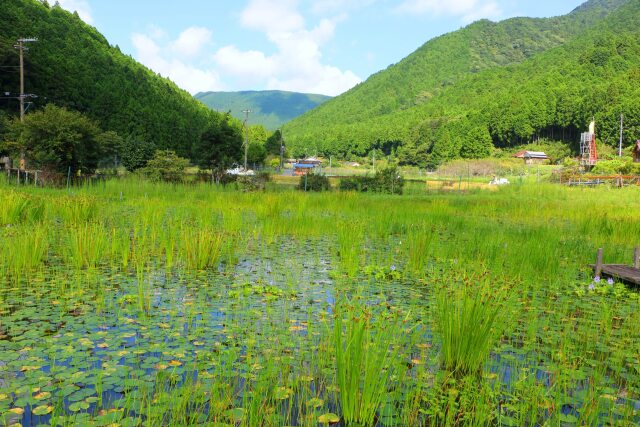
297	64
191	41
160	59
332	6
80	6
468	10
272	15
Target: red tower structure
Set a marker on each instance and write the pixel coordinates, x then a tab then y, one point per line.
588	147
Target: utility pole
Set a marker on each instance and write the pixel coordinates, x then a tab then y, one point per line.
22	48
281	151
246	137
621	129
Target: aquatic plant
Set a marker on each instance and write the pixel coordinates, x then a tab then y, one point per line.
468	319
200	249
364	349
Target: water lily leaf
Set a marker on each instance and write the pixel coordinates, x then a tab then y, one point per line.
42	410
315	402
282	393
42	395
235	415
329	418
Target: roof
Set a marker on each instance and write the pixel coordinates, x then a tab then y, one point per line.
310	160
531	155
304	166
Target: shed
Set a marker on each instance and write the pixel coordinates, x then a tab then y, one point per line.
532	157
6	162
300	169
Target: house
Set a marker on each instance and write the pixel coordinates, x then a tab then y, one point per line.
531	157
6	163
636	152
300	169
305	166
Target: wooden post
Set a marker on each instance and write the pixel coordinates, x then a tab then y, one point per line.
599	263
636	257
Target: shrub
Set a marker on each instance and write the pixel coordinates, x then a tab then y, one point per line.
314	182
166	166
387	180
249	183
612	167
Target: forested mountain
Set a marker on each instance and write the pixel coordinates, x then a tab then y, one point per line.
72	65
269	108
489	84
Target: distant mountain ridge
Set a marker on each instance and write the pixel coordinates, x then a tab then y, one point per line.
270	108
487	85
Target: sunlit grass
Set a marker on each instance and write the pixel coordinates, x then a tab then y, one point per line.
149	304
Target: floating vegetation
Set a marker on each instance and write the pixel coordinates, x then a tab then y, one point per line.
201	306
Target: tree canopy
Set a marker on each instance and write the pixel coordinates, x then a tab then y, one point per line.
73	66
490	85
56	139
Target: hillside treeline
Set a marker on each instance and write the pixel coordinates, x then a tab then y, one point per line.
73	66
478	98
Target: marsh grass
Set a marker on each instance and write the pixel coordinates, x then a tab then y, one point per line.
468	320
255	342
201	249
364	353
86	245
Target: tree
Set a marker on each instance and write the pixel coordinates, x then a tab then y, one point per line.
136	153
256	154
4	125
166	166
56	139
219	147
272	144
112	145
478	144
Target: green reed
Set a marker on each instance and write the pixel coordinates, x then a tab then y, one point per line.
200	249
468	319
86	245
364	353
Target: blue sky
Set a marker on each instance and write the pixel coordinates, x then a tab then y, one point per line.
314	46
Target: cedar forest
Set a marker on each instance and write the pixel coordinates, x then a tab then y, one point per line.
468	94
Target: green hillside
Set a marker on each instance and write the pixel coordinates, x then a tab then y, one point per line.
271	108
487	85
73	66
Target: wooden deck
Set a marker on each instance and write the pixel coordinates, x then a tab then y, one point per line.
625	273
622	272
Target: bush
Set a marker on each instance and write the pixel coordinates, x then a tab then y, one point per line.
249	183
613	167
166	166
387	181
314	182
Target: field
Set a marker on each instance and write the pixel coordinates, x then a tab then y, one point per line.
133	303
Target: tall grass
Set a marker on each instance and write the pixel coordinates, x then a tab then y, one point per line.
17	208
201	249
86	245
468	320
364	355
24	251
